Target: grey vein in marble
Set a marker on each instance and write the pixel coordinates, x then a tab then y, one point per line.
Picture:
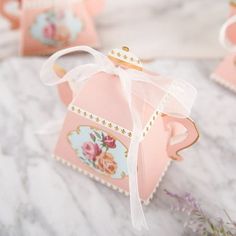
39	196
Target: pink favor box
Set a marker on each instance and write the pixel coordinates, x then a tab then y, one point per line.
96	135
225	72
47	26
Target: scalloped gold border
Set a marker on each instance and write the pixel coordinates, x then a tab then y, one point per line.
120	129
99	120
124	63
145	202
113	126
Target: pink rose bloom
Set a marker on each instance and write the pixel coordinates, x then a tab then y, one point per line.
91	150
62	34
109	141
106	163
49	31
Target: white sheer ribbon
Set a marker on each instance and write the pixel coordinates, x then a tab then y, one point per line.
223	37
168	96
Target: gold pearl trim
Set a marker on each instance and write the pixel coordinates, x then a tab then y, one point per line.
150	122
74	167
117	128
100	120
118	54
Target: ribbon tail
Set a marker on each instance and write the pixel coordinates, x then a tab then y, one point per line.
137	215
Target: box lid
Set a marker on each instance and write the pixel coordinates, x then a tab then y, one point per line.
102	100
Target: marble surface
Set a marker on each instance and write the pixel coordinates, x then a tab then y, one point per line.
39	196
158	29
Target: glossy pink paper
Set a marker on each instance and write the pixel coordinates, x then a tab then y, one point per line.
102	96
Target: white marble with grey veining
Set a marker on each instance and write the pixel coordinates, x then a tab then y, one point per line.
152	28
39	196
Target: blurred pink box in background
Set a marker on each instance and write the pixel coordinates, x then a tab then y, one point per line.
225	73
47	26
231	31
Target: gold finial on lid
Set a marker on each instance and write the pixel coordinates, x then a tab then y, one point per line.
125	48
124	58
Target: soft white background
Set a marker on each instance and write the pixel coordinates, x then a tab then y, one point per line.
155	28
41	197
171	28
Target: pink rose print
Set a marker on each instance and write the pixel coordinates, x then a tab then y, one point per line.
105	163
97	154
109	141
62	34
49	31
91	150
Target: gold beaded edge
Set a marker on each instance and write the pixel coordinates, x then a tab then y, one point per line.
100	120
76	168
108	124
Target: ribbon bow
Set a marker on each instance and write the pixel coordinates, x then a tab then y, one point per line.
172	97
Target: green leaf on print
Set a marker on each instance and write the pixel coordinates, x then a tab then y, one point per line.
123	174
97	134
103	145
92	136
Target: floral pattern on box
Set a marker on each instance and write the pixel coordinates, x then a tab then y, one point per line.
99	150
56	27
